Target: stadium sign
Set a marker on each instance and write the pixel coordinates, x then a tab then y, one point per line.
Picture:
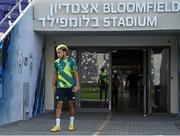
107	15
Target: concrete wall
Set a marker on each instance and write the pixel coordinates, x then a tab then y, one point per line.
179	69
116	41
26	42
174	77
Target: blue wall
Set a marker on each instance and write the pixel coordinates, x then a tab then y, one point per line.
24	45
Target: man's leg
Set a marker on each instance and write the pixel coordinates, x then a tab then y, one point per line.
116	98
136	97
71	111
60	95
112	99
100	94
71	108
106	90
131	97
58	112
71	104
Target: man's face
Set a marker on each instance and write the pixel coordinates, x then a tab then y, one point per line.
60	53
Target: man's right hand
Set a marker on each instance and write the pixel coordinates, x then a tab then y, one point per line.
53	88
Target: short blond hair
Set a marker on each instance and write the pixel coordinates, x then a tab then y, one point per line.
62	47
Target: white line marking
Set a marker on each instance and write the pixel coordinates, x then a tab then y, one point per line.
97	132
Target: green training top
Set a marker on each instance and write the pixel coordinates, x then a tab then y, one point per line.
65	69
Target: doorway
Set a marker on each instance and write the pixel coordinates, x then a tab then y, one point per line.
123	63
152	92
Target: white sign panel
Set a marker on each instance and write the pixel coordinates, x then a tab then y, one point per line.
105	15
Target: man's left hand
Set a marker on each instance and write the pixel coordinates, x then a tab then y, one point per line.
76	89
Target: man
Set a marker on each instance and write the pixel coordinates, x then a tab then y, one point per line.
133	80
66	83
103	83
115	88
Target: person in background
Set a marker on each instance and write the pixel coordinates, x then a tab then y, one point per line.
115	88
103	83
132	81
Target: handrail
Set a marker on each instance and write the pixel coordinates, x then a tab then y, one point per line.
9	13
16	21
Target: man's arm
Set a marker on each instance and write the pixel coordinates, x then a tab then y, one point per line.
76	76
127	80
54	81
99	81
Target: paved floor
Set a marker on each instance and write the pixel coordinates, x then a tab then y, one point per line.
97	124
125	121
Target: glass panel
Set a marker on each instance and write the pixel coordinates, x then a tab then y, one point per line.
91	64
72	53
159	76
